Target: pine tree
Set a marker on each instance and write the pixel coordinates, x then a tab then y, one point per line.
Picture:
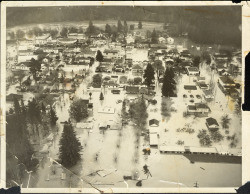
140	25
70	147
168	87
101	96
108	29
119	26
17	108
154	38
99	56
149	75
53	117
125	27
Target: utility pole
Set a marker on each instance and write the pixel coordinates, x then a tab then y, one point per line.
196	184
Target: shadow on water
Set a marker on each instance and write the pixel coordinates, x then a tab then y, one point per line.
211	158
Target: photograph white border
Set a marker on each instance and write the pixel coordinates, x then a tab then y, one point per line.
245	115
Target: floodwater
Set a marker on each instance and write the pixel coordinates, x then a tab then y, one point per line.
167	170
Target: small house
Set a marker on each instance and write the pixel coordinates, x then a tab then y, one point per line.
132	89
193	71
212	124
153	123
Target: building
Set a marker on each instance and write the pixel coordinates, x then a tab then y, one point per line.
212	124
41	40
225	83
199	109
132	89
161	40
193	71
137	69
110	54
26	58
170	40
153	123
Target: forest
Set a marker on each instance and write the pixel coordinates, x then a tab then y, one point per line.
205	25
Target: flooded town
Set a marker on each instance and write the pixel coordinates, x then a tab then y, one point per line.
114	99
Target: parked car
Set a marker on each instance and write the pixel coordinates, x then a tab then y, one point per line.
115	91
198	96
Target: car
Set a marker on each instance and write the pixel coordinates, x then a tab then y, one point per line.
118	101
198	96
191	96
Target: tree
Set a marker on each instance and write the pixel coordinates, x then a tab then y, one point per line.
12	35
137	80
206	57
119	26
125	28
216	136
30	33
158	67
149	75
53	117
64	32
70	147
138	112
17	108
154	38
73	30
53	33
108	29
20	34
166	105
78	110
91	28
168	87
196	61
237	107
90	94
225	120
37	31
140	25
97	80
124	113
35	66
132	27
101	96
204	138
99	56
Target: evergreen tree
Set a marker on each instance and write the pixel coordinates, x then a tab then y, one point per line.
138	112
168	87
17	108
131	27
108	29
43	108
196	61
34	113
119	26
78	110
70	147
140	25
99	56
154	38
149	75
20	34
91	28
125	27
53	116
64	32
101	96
